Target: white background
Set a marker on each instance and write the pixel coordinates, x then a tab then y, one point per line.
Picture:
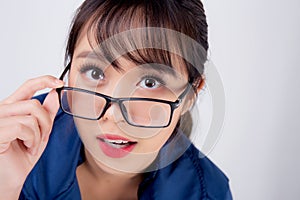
255	45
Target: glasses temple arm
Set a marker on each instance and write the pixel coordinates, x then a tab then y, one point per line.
65	71
182	95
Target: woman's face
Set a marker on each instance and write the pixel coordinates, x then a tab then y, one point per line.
111	141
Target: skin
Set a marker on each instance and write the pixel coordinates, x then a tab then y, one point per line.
25	125
117	178
121	175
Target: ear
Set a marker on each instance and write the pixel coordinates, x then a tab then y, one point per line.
192	97
200	84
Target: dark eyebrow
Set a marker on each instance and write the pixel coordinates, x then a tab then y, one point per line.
88	54
93	55
162	69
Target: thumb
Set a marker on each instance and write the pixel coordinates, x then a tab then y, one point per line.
51	104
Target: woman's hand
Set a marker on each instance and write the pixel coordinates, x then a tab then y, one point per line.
25	125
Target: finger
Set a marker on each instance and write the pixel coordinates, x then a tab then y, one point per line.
31	122
4	147
30	87
28	121
29	107
51	105
19	131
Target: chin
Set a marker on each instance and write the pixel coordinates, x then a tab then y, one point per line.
133	163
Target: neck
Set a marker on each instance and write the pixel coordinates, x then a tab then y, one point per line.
100	171
100	181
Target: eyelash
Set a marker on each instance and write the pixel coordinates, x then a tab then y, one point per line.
90	66
156	78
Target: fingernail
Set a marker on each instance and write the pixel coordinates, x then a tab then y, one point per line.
58	82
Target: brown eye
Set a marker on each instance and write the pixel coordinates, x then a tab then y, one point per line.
96	74
150	83
92	72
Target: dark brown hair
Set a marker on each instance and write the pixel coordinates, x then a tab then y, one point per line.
105	18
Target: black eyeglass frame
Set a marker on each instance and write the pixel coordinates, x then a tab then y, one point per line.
119	101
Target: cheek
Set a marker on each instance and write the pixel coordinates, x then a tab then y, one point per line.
88	130
73	79
76	79
155	143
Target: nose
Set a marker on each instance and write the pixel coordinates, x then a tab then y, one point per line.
106	111
109	112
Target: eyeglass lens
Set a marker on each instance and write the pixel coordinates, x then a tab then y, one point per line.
136	112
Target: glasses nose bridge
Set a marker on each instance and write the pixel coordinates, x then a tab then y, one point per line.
109	101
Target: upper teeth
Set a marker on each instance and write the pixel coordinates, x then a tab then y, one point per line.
116	141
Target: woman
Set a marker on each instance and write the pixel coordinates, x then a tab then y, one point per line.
134	69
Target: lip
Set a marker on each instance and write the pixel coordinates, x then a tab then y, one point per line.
115	146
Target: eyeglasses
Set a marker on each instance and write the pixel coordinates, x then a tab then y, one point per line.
139	112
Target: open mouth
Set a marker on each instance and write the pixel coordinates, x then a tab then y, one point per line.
117	143
115	146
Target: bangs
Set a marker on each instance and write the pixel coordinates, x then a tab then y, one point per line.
143	32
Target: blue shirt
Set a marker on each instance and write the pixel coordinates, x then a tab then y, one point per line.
190	177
